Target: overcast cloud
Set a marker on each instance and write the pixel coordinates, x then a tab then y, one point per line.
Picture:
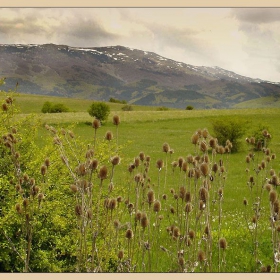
243	40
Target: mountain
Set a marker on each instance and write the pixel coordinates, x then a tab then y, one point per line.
137	76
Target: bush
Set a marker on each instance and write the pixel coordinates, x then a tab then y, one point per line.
127	108
163	108
114	100
99	110
189	107
232	129
49	107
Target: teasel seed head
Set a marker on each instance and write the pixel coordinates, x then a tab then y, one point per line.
204	167
96	124
103	171
273	156
115	160
195	138
119	199
191	234
172	210
136	162
25	202
259	145
274	180
222	169
138	216
18	208
197	173
254	219
248	159
43	170
182	192
180	162
205	133
144	220
203	194
5	107
138	178
268	187
185	166
151	197
223	243
157	206
78	210
106	203
120	254
201	205
93	164
272	196
130	207
142	156
188	207
188	197
112	204
165	148
251	179
74	188
276	207
176	196
109	135
40	197
159	164
215	168
176	232
201	256
213	142
164	196
129	234
203	147
116	120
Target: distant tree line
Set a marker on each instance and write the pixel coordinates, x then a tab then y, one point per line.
114	100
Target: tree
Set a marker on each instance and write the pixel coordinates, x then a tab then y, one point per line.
189	107
99	110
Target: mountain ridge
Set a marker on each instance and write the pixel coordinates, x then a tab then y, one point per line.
140	77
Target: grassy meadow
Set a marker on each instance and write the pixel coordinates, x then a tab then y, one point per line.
230	235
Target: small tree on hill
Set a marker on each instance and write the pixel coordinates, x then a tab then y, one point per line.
189	107
99	110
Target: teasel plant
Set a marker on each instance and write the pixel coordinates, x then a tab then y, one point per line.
30	195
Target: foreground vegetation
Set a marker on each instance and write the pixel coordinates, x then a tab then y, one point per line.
147	191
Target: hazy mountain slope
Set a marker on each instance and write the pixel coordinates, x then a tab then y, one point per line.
137	76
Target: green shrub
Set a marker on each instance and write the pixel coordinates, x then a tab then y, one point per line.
99	110
127	108
163	108
49	107
230	128
189	107
114	100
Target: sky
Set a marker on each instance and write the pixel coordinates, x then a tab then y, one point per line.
243	40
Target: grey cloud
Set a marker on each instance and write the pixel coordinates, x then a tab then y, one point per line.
85	30
256	15
21	26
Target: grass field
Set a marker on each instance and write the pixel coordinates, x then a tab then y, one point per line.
146	130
